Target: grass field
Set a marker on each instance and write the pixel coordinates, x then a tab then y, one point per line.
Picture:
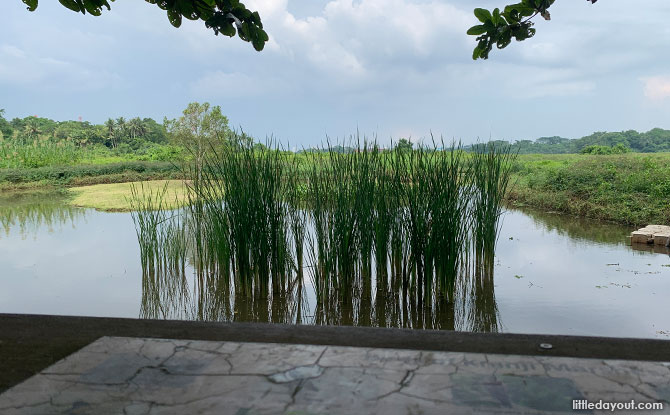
114	196
632	188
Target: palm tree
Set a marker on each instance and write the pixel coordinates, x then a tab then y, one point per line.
121	128
136	127
31	129
110	124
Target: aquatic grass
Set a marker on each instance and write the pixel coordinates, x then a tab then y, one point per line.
491	169
452	186
163	244
240	202
384	235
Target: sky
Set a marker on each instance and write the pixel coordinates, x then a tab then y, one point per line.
334	68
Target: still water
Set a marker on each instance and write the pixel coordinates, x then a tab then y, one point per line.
553	274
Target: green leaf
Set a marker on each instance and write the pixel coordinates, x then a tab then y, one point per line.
496	17
92	8
483	15
227	29
476	53
522	9
477	30
174	17
71	4
32	4
258	44
505	38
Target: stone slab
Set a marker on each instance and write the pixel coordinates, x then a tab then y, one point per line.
641	237
651	234
662	239
119	375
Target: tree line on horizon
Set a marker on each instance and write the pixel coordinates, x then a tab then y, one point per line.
120	133
653	141
139	134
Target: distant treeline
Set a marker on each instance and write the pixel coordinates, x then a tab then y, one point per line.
653	141
119	133
145	136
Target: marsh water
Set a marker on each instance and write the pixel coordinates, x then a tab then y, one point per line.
553	274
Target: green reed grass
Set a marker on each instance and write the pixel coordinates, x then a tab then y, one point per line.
490	166
385	235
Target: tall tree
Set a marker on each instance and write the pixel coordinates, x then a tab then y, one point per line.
404	145
32	129
121	129
5	127
110	126
200	129
136	128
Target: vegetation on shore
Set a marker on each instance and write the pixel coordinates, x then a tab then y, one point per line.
610	179
87	174
628	188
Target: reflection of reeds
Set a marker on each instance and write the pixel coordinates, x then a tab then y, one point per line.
384	235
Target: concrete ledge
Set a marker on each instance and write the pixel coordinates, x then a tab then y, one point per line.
30	343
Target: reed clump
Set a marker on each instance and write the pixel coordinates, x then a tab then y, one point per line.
386	237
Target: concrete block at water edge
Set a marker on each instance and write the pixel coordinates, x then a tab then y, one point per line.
661	239
641	237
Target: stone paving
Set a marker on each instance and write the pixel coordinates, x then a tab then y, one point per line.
118	375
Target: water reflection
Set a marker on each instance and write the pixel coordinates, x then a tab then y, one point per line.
652	249
29	211
578	228
205	294
373	296
557	275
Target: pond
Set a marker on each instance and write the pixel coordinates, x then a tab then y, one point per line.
553	274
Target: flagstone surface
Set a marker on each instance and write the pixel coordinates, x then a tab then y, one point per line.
118	375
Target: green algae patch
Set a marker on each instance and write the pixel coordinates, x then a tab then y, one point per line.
115	197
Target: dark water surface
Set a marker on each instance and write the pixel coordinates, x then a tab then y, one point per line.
553	274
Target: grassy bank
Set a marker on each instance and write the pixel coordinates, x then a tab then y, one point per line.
631	188
115	196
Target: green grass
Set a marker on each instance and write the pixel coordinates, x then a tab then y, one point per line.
38	153
400	220
119	196
631	188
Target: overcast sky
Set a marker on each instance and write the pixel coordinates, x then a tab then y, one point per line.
390	68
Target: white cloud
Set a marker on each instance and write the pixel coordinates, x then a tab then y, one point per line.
233	85
18	67
657	88
354	42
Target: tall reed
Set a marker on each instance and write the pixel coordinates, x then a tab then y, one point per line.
386	235
491	166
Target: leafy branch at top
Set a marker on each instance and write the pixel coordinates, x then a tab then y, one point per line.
498	28
228	17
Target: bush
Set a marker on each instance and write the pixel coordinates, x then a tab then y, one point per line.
64	174
605	150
